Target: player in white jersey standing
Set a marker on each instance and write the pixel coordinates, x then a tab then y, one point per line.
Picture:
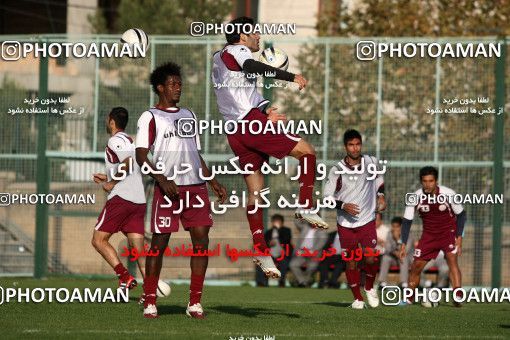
125	208
359	194
161	130
239	99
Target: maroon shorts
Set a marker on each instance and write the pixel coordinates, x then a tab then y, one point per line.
166	219
255	149
430	244
119	214
364	236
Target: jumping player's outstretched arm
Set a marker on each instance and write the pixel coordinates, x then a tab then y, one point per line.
254	66
244	59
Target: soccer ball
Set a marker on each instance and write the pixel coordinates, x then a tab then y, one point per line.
163	289
275	57
135	36
429	304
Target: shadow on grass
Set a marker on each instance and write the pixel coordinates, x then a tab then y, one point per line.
171	309
250	312
333	304
134	298
504	326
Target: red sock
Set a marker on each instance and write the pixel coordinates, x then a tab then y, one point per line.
195	289
121	272
256	227
150	285
353	278
371	272
458	293
307	179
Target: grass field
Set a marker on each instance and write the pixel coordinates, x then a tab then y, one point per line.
244	311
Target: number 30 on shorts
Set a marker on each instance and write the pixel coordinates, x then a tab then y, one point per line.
417	252
164	222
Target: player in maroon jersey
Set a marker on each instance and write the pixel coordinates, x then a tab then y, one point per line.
443	227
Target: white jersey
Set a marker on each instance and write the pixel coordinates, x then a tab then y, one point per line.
169	139
236	95
354	188
120	146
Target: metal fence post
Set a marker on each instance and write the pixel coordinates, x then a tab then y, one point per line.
96	102
498	183
207	91
41	212
437	103
380	66
325	136
153	63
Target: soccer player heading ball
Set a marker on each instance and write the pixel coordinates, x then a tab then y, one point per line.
243	101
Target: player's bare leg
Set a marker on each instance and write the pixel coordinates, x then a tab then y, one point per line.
414	276
455	274
371	272
100	241
198	264
152	270
353	276
136	241
305	154
255	183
